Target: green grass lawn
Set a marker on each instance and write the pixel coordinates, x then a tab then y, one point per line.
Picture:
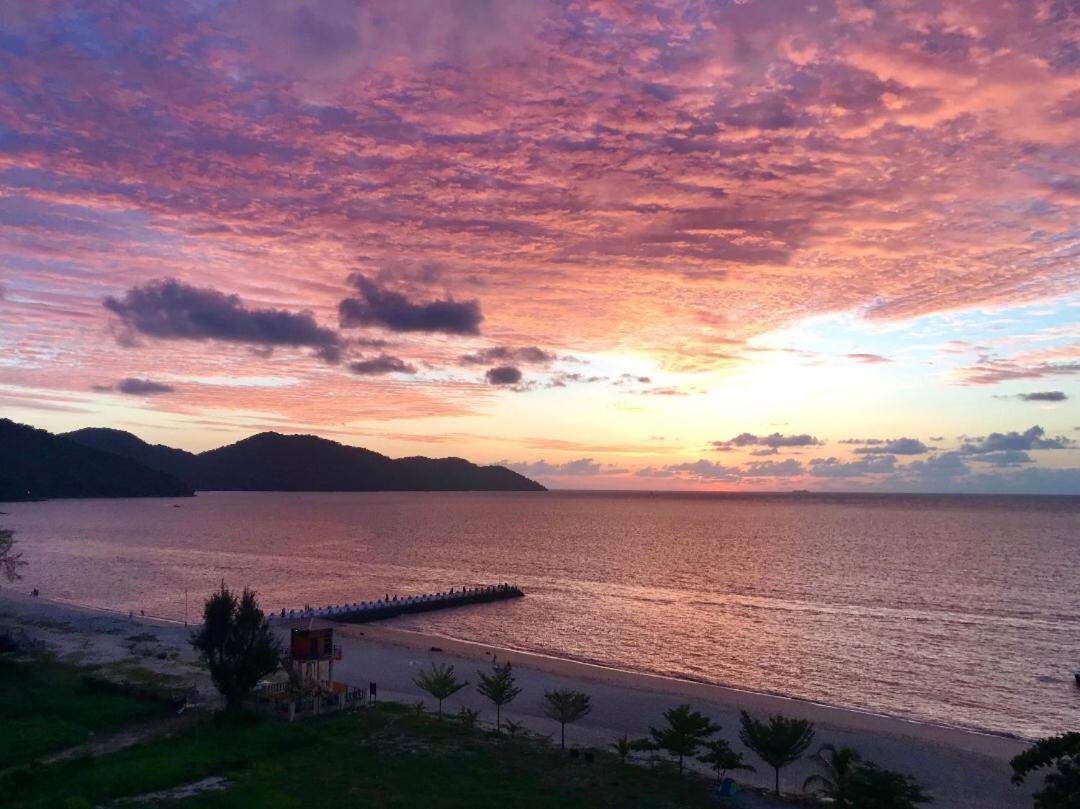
47	707
377	757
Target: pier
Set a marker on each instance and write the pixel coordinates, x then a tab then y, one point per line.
360	612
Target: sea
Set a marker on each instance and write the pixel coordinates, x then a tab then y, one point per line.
958	610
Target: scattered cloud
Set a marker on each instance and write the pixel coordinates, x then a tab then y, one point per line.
1043	396
1033	438
993	371
541	468
384	308
1006	457
528	355
894	446
169	309
868	359
132	386
773	441
383	364
836	468
503	375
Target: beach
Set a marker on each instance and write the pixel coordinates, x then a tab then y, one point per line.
960	768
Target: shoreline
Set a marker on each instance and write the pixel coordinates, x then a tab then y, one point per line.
585	670
961	768
421	641
824	714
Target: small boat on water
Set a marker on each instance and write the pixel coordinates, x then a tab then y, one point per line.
1076	674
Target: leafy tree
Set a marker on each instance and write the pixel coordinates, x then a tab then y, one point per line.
513	728
440	682
566	706
499	687
686	731
777	742
870	787
10	562
720	756
838	765
236	643
1061	787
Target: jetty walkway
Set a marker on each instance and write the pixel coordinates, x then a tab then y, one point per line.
360	612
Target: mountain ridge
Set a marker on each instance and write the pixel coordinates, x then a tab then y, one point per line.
37	465
272	461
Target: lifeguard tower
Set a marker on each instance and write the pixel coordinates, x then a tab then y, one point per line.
313	654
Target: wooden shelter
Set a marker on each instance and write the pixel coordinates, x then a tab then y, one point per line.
311	647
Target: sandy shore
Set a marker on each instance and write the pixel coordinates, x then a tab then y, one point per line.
960	768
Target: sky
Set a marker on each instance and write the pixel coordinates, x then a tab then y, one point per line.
735	245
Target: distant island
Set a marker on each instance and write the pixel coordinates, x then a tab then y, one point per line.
103	462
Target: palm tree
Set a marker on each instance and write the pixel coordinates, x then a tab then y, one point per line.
719	754
838	765
623	747
686	731
566	706
440	682
777	742
874	788
499	688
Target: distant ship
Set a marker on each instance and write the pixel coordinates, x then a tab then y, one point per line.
1076	674
800	491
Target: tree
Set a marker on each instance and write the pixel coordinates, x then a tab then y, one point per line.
720	756
499	687
777	742
440	682
686	731
623	747
837	765
10	562
236	644
1061	787
870	787
566	706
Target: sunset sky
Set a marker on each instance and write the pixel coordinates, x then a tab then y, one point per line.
739	244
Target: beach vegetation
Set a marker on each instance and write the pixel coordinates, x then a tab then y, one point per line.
837	765
236	644
48	707
468	718
722	758
499	687
381	755
778	741
566	706
685	733
440	682
1061	756
623	747
10	561
871	787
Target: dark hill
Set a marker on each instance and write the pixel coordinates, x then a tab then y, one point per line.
35	464
175	462
298	463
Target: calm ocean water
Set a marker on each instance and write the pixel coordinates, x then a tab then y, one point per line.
962	610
